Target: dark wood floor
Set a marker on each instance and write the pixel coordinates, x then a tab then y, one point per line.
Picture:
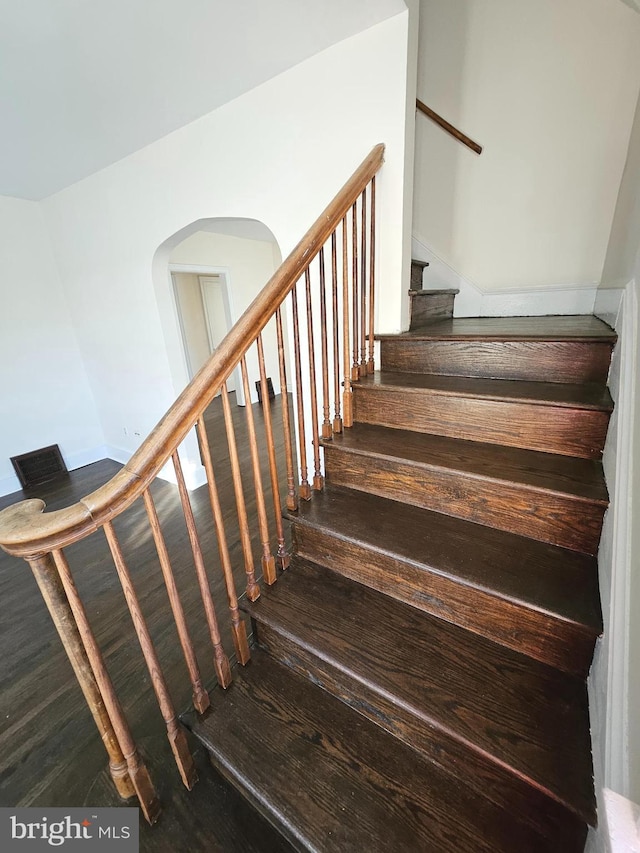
50	754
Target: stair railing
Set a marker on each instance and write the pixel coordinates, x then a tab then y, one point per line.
323	295
450	129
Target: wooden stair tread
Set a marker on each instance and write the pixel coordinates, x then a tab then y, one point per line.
552	580
589	395
345	784
525	715
559	328
582	479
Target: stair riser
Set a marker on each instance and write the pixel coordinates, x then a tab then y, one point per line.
558	643
539	361
426	307
417	274
547	516
552	429
536	807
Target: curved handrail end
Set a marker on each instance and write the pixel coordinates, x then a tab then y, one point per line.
27	531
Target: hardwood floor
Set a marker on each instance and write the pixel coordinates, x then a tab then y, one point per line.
50	753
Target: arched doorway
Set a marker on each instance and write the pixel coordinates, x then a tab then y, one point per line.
206	275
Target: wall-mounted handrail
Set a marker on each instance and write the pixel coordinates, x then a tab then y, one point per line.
26	531
458	134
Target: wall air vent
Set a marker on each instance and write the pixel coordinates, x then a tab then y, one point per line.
270	390
39	466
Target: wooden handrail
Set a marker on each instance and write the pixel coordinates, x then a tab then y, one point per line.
25	530
461	137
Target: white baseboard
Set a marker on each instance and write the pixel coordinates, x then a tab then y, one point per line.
622	823
118	454
74	461
617	620
608	305
194	473
472	301
609	677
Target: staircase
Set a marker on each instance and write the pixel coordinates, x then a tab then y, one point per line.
419	677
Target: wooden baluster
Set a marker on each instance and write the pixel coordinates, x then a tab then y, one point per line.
318	479
175	734
253	590
220	659
337	421
347	400
200	695
326	410
292	497
238	628
268	561
305	488
372	268
363	284
283	556
355	368
129	774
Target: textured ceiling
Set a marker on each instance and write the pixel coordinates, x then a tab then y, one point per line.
84	83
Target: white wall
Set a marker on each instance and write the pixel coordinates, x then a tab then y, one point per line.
549	90
614	684
44	392
249	265
624	243
44	396
278	155
623	267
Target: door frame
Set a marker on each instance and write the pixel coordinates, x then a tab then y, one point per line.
202	271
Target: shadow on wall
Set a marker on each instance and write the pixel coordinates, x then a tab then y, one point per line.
441	85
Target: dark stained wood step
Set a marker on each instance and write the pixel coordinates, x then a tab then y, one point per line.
559	361
427	306
545	349
552	498
501	722
527	595
417	273
330	780
555	328
214	817
551	417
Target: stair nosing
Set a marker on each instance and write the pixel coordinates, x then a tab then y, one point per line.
439	291
600	333
422	334
260	802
